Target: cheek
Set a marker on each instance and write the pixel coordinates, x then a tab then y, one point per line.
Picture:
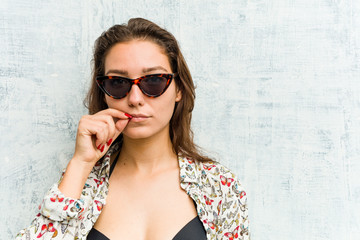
166	111
110	102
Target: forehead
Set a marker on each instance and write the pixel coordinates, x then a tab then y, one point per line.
136	55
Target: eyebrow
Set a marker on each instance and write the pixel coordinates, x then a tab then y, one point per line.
151	69
117	71
144	70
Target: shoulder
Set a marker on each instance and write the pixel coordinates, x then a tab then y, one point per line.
213	176
214	169
223	198
221	178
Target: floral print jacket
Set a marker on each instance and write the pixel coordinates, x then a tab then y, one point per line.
220	199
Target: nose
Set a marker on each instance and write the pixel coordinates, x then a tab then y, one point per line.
135	96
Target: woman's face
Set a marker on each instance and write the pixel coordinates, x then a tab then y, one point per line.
151	116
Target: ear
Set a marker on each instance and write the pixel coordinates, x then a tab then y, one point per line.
178	96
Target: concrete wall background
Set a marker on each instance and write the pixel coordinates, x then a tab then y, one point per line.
277	101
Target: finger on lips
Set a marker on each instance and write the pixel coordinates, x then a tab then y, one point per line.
117	114
128	115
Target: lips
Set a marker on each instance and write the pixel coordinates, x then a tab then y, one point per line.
138	117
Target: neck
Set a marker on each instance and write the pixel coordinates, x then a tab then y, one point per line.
148	155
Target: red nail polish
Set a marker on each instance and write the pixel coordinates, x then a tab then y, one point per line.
128	115
109	142
98	147
102	149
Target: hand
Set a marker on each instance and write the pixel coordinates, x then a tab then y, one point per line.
96	133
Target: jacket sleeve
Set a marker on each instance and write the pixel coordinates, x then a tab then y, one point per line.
58	217
234	209
225	206
240	206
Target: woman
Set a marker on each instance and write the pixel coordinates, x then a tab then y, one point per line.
138	132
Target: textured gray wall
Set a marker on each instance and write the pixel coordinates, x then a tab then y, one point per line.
277	101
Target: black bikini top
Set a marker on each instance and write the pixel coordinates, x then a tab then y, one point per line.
193	230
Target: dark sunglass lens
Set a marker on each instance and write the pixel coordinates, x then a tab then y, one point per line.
117	87
153	85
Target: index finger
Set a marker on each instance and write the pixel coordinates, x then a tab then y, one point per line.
115	113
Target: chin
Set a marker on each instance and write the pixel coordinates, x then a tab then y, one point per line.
136	135
138	132
144	132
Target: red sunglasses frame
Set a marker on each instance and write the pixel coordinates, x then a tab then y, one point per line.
100	82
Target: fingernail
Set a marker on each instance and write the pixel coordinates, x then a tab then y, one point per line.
109	142
128	115
102	149
98	147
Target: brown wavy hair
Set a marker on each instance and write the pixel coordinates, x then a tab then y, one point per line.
181	134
